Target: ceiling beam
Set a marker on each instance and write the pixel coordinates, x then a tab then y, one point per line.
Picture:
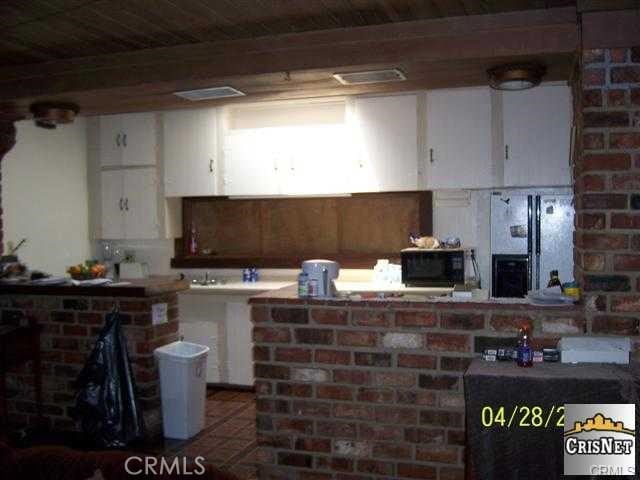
483	36
584	6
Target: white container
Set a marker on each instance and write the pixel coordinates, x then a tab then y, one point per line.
324	272
594	349
183	385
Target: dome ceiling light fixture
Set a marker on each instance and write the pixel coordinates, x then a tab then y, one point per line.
51	114
514	77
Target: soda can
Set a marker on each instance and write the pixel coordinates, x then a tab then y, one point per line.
246	275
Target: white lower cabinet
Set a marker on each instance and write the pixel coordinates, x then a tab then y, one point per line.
223	323
129	204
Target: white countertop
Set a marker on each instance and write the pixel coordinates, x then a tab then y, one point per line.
372	287
237	288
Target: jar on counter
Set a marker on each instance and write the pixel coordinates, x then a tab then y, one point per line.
303	285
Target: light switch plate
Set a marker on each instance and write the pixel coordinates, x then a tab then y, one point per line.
159	313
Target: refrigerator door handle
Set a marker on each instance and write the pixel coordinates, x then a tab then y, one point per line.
529	240
538	240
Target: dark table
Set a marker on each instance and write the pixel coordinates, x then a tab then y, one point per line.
18	345
520	452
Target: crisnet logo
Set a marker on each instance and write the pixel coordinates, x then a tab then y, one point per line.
604	445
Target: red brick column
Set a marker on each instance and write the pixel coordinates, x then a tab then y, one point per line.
607	188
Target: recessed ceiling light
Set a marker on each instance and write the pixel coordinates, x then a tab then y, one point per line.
516	76
370	76
213	93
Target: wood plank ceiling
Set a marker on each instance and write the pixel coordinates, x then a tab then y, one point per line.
48	31
37	30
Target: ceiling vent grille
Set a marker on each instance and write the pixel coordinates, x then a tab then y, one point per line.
371	76
209	93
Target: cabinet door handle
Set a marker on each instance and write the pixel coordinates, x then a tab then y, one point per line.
124	139
431	155
121	199
126	204
211	165
118	140
506	152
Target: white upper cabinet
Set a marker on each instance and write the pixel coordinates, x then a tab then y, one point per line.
190	153
458	151
251	163
294	160
385	147
128	140
129	204
537	130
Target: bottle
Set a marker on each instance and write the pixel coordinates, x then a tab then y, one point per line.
554	280
524	352
193	240
303	285
253	274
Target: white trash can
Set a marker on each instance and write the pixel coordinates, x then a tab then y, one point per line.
183	387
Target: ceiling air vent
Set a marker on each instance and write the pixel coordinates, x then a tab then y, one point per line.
209	93
371	76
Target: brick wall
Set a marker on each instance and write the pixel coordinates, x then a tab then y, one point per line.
607	188
70	326
362	393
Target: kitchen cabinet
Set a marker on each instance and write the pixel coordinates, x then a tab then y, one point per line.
129	204
128	140
459	143
386	148
292	160
223	323
190	153
536	131
251	163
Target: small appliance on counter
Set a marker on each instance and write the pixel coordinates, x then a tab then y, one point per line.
133	270
433	268
321	275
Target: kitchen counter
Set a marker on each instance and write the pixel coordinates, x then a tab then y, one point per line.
393	288
147	287
237	288
289	295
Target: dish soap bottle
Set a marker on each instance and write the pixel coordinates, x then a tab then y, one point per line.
525	352
193	240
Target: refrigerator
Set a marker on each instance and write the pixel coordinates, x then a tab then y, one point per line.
531	235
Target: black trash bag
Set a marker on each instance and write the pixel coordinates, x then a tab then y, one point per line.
107	405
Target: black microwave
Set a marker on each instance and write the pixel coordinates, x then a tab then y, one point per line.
432	268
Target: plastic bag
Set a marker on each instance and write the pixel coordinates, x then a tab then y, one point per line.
107	405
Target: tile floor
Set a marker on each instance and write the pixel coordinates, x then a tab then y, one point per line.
228	440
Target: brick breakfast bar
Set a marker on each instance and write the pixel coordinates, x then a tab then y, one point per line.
71	318
371	389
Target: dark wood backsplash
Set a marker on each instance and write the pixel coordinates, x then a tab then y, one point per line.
281	232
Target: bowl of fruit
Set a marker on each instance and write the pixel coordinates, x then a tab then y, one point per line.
88	270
